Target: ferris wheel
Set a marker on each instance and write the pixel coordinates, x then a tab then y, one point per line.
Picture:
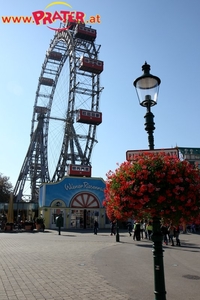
66	110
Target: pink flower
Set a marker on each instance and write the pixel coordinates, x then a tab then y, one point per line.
143	188
151	188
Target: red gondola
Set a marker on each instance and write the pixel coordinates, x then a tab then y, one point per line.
78	170
86	33
91	65
89	117
72	24
55	55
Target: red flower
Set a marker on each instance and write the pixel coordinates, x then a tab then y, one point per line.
161	199
153	184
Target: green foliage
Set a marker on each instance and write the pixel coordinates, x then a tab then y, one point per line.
5	188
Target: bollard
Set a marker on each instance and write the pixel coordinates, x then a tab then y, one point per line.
117	235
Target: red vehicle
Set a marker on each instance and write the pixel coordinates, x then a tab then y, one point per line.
72	24
78	170
55	55
46	81
86	33
89	117
91	65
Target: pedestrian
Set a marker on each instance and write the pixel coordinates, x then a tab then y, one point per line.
141	229
112	227
193	228
96	226
176	235
130	228
59	223
136	231
149	229
164	231
171	234
145	229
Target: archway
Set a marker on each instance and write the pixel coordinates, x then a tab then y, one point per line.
57	208
84	210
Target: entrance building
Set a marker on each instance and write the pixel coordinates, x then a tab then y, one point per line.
78	199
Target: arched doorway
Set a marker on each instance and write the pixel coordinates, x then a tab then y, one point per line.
84	210
57	208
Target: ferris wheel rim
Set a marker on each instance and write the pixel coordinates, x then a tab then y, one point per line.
70	43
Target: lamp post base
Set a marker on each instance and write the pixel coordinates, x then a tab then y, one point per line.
159	278
117	234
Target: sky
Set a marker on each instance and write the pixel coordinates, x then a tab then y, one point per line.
163	33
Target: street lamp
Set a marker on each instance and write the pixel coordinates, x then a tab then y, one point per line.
147	88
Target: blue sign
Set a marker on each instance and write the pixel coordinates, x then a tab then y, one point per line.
67	188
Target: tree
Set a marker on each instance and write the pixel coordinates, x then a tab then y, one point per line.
5	188
153	185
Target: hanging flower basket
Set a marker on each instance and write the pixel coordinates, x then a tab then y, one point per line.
153	185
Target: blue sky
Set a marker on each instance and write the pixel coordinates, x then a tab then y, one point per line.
163	33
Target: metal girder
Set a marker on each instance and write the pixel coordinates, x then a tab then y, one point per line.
34	169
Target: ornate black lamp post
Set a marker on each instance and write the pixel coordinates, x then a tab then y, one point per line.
147	88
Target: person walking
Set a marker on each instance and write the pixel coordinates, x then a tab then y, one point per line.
96	226
149	230
145	229
164	231
171	234
130	227
136	231
176	235
112	227
142	229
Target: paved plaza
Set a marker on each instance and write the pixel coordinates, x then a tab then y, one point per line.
81	265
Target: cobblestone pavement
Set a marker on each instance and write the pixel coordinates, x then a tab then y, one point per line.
130	264
38	266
